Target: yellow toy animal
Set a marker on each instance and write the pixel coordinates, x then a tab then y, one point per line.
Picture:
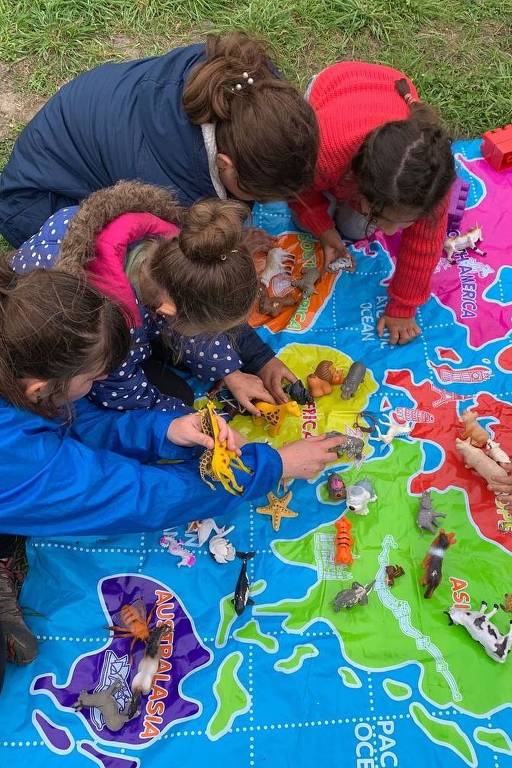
274	415
217	464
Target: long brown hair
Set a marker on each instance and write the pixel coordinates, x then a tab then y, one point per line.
207	271
53	326
405	163
263	123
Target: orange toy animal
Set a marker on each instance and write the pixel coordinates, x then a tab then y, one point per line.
276	414
320	382
343	542
472	430
135	621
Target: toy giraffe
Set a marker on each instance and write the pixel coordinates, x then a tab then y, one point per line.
276	414
217	463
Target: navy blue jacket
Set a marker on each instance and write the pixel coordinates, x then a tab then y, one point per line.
118	121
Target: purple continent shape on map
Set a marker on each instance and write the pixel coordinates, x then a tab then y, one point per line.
181	653
462	288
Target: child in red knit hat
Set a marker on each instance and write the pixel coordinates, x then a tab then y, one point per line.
386	162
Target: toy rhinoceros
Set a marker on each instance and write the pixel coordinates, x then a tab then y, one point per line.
359	495
356	595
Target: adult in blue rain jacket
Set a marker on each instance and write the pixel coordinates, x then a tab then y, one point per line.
202	120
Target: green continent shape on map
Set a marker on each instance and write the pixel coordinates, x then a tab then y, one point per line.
251	633
294	662
396	690
227	613
349	677
328	413
494	738
450	660
444	733
232	698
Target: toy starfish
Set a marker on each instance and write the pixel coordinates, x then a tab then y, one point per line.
277	508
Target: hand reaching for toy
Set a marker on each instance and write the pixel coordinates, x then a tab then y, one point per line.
256	239
402	330
334	248
186	431
306	458
502	486
272	375
246	387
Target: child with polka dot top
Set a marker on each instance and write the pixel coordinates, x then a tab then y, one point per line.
189	288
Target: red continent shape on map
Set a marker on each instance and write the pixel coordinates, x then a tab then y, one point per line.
447	353
504	359
443	431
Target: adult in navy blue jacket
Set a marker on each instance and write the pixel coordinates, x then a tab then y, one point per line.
204	121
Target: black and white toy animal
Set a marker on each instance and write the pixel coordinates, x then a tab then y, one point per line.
482	630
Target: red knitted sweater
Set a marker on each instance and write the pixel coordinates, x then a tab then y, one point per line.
351	99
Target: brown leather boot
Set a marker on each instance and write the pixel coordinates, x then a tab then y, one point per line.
21	644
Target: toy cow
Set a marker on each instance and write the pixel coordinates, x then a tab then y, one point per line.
359	495
482	630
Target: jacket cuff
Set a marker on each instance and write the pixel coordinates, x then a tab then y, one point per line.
395	309
169	450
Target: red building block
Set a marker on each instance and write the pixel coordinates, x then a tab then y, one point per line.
497	147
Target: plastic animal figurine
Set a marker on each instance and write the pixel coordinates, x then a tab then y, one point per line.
273	305
176	548
220	548
497	453
135	621
105	701
298	392
277	508
507	605
352	446
202	529
320	382
228	404
475	458
343	542
217	463
306	284
336	487
369	417
353	379
464	242
242	596
148	665
359	495
278	260
393	572
433	562
472	430
495	644
276	414
344	262
427	516
356	595
395	428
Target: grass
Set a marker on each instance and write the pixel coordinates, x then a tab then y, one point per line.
459	53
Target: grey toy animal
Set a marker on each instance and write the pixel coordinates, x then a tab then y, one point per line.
352	447
353	379
427	516
356	595
306	283
107	704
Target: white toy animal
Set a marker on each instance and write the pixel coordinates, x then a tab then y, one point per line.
482	630
497	453
395	428
475	458
359	496
222	550
278	260
465	242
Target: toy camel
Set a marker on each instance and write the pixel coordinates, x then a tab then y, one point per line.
274	415
472	430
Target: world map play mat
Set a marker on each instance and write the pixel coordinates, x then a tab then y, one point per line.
291	681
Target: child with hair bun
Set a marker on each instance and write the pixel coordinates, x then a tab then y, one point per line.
185	276
384	163
205	120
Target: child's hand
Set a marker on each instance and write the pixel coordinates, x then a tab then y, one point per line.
186	431
272	375
306	458
333	247
256	239
502	486
402	330
246	387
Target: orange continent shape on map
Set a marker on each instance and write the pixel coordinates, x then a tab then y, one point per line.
307	254
443	431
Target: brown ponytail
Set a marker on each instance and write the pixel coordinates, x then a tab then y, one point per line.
208	272
263	123
53	326
405	163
